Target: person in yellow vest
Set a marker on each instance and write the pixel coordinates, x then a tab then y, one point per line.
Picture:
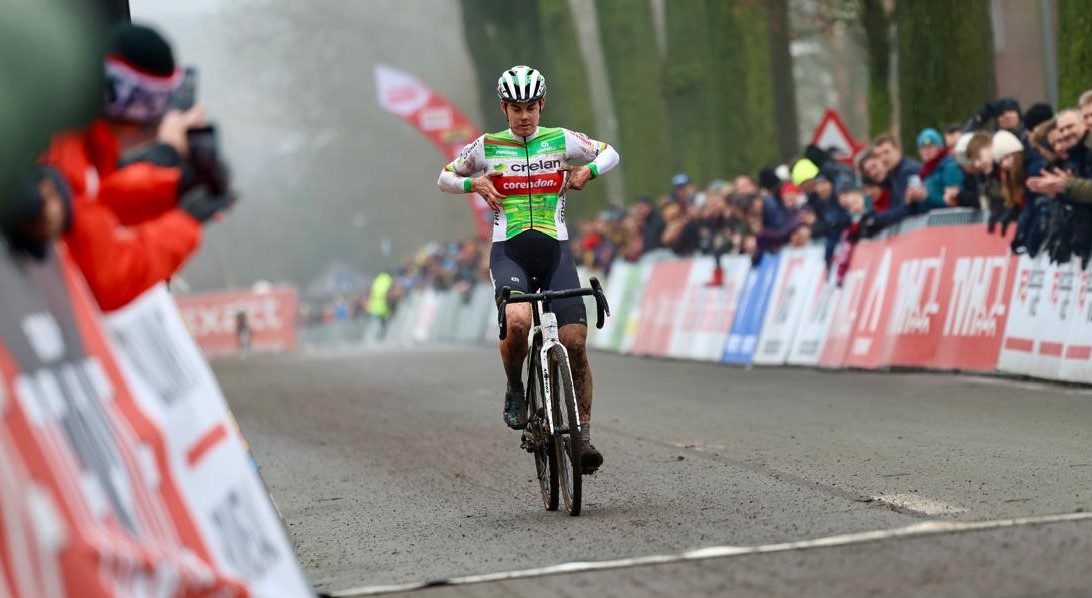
378	307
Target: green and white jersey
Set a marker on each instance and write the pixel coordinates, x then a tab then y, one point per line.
532	180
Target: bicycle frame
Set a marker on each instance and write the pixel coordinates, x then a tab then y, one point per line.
545	327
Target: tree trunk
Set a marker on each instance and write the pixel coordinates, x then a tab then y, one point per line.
1074	51
688	74
634	72
946	62
745	137
784	84
877	30
568	97
492	30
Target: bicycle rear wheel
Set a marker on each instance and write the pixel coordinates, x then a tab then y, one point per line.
566	440
538	434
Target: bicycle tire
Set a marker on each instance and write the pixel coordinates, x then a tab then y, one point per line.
542	443
566	444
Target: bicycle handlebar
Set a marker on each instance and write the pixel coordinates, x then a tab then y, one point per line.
601	307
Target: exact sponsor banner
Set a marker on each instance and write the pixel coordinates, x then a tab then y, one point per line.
661	307
1077	359
202	450
797	277
212	319
807	347
1038	325
708	311
87	500
743	336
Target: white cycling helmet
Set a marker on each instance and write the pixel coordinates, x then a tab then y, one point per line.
521	84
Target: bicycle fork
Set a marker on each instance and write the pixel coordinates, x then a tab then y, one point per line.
548	328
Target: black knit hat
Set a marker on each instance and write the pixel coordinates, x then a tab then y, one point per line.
1008	104
143	48
1037	114
141	75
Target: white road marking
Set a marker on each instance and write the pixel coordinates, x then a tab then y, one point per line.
919	505
917	530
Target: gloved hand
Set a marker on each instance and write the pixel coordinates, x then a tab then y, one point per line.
1018	246
203	205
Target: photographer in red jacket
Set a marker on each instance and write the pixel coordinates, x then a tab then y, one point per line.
139	197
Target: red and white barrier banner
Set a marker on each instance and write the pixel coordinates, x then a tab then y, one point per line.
435	117
979	275
708	309
807	346
213	318
90	503
928	298
202	449
944	303
799	274
1077	358
660	307
850	303
1039	324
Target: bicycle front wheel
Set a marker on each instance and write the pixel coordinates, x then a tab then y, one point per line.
566	438
541	443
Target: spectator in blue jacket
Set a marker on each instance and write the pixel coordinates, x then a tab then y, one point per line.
939	173
899	168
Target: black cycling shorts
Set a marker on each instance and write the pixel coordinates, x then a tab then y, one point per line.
535	255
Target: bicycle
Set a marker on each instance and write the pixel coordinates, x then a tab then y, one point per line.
553	423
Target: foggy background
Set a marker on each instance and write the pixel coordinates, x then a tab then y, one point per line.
325	174
330	180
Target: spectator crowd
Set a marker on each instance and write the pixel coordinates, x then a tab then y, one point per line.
1028	170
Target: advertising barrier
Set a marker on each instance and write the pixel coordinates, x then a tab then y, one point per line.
1077	358
212	320
1042	305
121	475
799	273
743	336
660	307
939	292
807	346
709	309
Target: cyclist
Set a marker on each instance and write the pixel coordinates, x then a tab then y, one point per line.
523	174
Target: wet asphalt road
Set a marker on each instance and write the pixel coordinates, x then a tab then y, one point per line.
393	466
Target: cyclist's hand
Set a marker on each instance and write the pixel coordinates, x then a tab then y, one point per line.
483	186
578	176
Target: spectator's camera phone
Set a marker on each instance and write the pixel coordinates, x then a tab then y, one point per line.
185	96
204	148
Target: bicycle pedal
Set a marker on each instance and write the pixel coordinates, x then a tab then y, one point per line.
526	444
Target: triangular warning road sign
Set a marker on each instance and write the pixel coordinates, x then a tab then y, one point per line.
833	133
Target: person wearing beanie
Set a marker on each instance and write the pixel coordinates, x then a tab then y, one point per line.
803	171
1005	111
939	173
135	225
1040	113
1008	154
